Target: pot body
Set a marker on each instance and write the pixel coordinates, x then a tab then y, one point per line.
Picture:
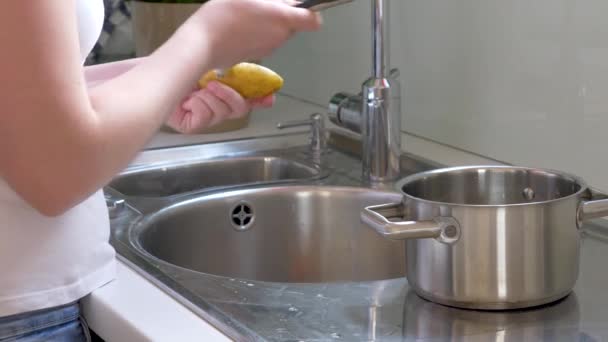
505	258
518	244
491	237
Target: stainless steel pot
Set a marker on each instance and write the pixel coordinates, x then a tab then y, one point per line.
490	237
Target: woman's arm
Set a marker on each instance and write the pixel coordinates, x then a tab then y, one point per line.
201	109
99	73
59	141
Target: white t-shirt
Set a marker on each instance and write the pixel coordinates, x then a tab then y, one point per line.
47	262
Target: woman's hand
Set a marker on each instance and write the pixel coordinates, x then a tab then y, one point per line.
211	106
238	30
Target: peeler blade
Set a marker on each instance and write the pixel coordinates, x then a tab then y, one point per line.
319	5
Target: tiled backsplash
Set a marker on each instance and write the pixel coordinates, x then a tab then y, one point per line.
521	81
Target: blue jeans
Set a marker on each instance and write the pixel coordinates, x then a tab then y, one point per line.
61	324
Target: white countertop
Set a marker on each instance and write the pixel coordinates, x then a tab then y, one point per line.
133	309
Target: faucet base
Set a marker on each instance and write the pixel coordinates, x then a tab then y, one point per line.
381	129
375	113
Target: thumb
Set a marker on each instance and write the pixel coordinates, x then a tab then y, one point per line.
301	19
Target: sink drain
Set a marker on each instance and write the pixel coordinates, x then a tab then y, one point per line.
241	216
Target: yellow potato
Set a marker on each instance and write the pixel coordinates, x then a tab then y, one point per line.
248	79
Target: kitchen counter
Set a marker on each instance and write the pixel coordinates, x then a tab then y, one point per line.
132	309
389	311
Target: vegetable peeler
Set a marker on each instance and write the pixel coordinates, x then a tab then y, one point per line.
319	5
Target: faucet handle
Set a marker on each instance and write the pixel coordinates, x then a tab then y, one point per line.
115	205
315	118
316	122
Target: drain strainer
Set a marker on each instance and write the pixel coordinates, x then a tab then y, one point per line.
242	216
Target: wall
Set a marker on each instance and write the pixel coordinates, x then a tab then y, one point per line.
521	81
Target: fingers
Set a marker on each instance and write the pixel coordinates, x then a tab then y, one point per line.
264	102
175	119
237	105
196	115
219	108
210	106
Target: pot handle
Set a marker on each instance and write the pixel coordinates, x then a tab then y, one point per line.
595	208
378	217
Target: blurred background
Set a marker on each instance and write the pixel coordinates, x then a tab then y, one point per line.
116	41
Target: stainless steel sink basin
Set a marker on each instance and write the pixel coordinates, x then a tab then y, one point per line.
280	234
186	177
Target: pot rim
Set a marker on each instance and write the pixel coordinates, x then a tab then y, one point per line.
417	176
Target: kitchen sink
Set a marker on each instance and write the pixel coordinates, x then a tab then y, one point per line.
260	237
302	234
186	177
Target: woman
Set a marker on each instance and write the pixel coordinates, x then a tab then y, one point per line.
61	141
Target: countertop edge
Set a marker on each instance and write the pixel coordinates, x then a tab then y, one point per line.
130	309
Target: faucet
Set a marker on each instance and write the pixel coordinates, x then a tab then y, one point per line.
317	138
375	113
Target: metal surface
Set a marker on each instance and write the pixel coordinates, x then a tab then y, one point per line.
385	310
345	111
500	186
184	177
318	135
513	250
381	111
241	216
381	130
114	206
296	236
379	119
380	39
595	208
319	5
428	321
383	219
